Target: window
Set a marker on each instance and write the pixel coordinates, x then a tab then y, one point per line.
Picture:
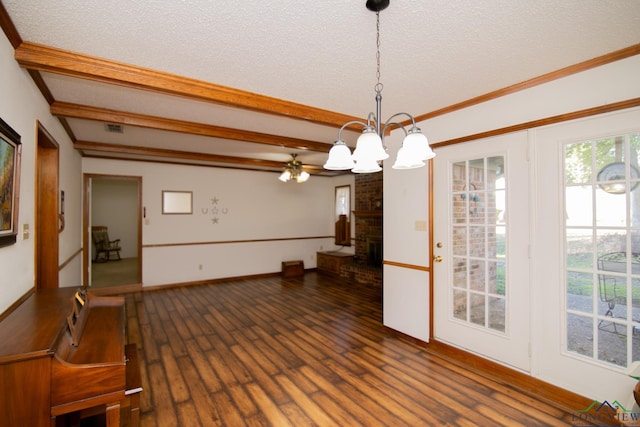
342	215
602	249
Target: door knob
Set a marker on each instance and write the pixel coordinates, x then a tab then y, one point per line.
437	258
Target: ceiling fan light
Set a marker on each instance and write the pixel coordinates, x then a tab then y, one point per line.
302	177
369	146
285	176
293	171
366	166
339	157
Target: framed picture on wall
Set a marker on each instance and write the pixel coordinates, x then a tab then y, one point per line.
10	149
177	202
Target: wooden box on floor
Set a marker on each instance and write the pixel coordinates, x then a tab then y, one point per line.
331	262
292	268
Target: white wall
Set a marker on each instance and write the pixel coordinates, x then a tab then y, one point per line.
610	83
406	241
243	222
21	106
70	239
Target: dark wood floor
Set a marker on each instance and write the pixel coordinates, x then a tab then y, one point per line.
301	352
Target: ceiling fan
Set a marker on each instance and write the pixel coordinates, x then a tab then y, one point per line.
293	171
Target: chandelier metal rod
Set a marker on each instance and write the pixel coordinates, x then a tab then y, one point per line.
370	148
354	122
378	112
390	124
379	85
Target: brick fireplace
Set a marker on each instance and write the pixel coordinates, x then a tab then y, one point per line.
367	264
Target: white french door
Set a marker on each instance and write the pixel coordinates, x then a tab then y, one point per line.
481	235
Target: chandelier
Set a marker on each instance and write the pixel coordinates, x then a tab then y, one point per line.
369	147
293	171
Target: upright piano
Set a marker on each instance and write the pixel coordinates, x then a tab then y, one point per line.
62	351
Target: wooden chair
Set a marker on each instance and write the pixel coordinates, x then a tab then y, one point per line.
104	247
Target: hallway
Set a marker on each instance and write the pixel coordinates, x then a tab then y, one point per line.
114	273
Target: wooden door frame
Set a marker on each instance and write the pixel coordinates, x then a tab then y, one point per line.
431	247
86	221
46	215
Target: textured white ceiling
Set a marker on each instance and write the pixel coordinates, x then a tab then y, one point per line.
322	53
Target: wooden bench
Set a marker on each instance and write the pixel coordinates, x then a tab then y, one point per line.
292	268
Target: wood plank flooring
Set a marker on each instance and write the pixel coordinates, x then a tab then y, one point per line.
307	351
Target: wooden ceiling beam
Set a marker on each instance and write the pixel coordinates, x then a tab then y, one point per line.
104	150
172	154
65	109
44	58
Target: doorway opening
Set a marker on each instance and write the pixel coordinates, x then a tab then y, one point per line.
112	212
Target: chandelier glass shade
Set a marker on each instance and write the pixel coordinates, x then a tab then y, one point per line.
369	146
368	165
293	172
370	149
339	157
414	151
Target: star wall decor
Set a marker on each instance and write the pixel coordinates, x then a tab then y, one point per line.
215	210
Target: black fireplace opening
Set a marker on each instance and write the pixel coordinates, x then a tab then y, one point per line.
374	251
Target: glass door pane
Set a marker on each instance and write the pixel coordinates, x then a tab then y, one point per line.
602	249
478	229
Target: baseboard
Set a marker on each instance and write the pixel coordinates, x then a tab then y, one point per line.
208	281
552	395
